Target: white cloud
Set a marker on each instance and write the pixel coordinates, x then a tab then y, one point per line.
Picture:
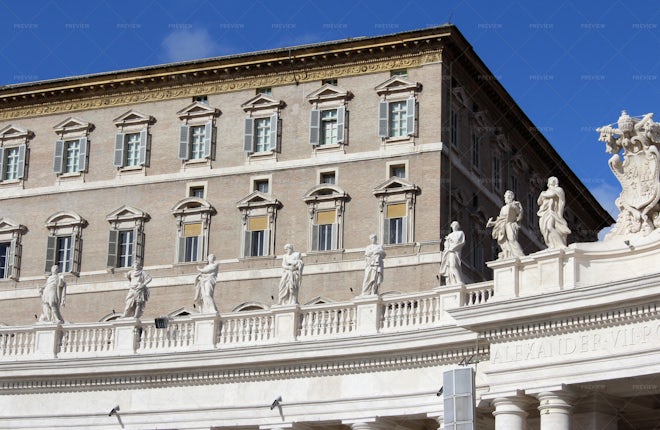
606	194
189	44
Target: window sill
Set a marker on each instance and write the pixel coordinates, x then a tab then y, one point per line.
71	177
326	149
262	156
196	163
399	140
133	170
12	183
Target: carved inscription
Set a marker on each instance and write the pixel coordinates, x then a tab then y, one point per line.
609	341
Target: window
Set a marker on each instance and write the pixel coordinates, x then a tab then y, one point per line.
130	149
11	235
70	155
330	81
262	134
197	192
397	110
514	184
497	173
476	150
265	90
193	216
201	99
399	72
126	237
196	142
328	117
327	177
261	185
13	152
64	245
398	170
258	214
454	127
397	198
531	210
326	203
197	134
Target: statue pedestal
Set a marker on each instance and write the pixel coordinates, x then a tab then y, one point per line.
47	340
368	314
126	335
206	330
286	322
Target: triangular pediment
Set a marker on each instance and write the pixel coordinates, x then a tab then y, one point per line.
14	132
256	199
72	124
397	84
261	101
395	184
198	109
133	117
126	212
7	224
328	92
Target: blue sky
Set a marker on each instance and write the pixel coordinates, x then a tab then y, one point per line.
571	65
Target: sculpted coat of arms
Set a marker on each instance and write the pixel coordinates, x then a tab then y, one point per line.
638	173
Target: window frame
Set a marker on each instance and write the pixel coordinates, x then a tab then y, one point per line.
60	226
399	192
258	205
14	138
69	131
326	198
192	211
328	98
126	219
398	90
11	233
260	108
193	117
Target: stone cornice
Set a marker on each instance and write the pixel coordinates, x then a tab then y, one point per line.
144	90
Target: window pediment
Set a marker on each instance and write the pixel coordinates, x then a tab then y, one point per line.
65	219
250	306
257	199
325	192
262	102
328	92
133	117
8	225
462	97
12	132
73	125
198	110
398	84
395	185
191	205
126	213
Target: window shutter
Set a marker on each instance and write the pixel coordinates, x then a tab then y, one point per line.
386	231
57	159
77	253
144	142
314	127
334	234
274	133
404	229
184	142
315	237
181	257
51	244
2	164
112	248
248	135
383	123
15	259
341	121
411	106
247	243
21	160
266	248
208	139
82	156
200	246
119	152
139	246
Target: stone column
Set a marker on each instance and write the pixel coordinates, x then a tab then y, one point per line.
510	413
555	409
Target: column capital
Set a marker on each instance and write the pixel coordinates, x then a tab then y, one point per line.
514	405
555	402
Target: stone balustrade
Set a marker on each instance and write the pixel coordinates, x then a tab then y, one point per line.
366	315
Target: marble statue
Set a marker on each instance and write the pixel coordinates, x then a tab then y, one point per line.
506	226
450	264
554	227
53	296
373	270
138	293
205	286
638	173
292	269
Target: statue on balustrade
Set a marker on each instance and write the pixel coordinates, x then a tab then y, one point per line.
450	264
138	293
53	296
506	226
638	173
374	254
554	227
205	286
292	269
